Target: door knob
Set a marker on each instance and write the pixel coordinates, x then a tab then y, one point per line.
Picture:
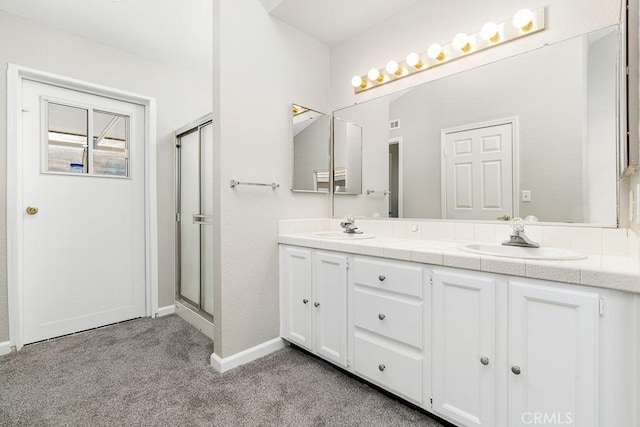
516	370
32	210
504	217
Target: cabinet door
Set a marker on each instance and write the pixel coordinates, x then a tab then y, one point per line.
463	348
553	335
296	296
330	306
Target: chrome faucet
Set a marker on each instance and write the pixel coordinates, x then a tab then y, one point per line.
517	236
349	225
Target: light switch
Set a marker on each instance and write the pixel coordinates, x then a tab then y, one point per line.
526	196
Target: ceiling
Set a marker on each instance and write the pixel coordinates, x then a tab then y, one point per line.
174	31
334	21
181	31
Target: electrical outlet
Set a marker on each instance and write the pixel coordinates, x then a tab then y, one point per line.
526	196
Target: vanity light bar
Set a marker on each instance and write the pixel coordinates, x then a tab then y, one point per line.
523	23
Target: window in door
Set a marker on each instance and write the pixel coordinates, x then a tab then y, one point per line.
69	150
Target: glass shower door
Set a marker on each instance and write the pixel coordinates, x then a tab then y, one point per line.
194	216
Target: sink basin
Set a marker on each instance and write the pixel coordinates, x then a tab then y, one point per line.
527	253
340	235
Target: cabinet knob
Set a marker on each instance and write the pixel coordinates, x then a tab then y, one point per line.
381	278
316	304
484	360
381	316
381	367
516	370
304	301
32	210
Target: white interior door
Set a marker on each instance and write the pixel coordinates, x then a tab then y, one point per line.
195	216
83	226
477	173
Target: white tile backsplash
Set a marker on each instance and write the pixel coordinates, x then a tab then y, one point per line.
614	241
586	239
556	237
429	230
447	231
485	233
465	232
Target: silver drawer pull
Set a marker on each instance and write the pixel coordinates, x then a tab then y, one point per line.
484	360
381	367
381	278
304	301
316	304
516	370
381	316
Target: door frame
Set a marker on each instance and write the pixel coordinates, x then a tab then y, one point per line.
15	228
400	143
515	165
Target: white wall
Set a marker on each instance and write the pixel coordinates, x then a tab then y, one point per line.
414	28
182	95
261	67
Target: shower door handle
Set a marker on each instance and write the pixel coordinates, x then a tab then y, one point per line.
202	219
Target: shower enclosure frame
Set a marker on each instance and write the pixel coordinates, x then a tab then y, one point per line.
195	126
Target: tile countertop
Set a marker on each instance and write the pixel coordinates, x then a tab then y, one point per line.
617	272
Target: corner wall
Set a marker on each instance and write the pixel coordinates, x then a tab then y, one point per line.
261	67
182	95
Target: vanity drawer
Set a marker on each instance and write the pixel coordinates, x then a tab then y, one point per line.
395	371
395	277
389	317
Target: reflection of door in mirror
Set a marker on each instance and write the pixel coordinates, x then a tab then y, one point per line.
477	171
310	145
347	155
395	178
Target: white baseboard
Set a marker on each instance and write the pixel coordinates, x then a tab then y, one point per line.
5	348
194	319
246	356
166	310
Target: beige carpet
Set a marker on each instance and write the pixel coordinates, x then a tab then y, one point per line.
156	372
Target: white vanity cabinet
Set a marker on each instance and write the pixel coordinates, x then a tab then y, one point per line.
546	366
553	348
475	348
313	298
387	325
463	347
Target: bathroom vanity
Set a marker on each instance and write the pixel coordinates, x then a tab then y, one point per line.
477	340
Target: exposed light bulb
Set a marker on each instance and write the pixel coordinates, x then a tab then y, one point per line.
435	52
523	19
490	32
461	41
413	60
375	75
393	68
357	81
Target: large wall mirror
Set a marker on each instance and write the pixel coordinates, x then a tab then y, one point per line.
534	134
310	132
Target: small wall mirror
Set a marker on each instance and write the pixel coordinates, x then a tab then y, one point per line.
347	155
310	145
